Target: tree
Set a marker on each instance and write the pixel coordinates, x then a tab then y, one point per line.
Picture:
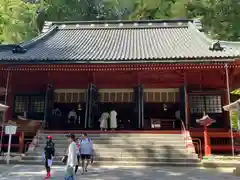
152	9
179	9
220	18
17	21
117	9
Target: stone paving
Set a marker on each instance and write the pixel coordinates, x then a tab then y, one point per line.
23	172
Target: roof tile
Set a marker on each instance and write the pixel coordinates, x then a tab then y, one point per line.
87	43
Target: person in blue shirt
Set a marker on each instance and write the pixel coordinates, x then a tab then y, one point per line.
86	150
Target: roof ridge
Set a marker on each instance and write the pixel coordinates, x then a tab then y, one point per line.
7	46
230	43
122	21
204	37
33	41
120	28
199	34
47	25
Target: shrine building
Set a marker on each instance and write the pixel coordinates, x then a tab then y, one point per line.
152	73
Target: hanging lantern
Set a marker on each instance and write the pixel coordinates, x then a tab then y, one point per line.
165	107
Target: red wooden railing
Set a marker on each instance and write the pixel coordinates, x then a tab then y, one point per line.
187	138
198	146
199	151
19	144
33	144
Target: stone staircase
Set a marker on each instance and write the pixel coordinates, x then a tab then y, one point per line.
121	149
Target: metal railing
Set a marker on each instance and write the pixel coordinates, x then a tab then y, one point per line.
184	133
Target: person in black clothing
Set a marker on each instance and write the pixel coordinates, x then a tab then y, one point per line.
49	152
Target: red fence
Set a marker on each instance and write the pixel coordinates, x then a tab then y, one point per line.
18	141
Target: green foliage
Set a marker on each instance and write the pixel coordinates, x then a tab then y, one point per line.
219	17
234	119
19	21
152	9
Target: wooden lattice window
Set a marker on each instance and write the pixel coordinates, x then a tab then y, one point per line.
70	97
197	104
207	104
160	96
213	104
116	96
21	104
37	104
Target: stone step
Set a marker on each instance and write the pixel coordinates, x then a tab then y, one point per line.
119	163
119	150
120	141
123	145
220	164
122	138
165	136
128	153
122	156
114	135
125	158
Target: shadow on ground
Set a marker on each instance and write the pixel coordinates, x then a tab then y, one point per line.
144	173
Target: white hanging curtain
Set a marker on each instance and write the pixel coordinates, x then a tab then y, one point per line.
3	107
235	106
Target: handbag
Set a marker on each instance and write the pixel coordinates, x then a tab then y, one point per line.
64	159
69	172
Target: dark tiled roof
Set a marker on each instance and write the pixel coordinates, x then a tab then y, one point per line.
150	41
7	47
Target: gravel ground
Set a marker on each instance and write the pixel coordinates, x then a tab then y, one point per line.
26	172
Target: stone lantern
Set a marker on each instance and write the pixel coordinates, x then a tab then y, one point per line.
206	121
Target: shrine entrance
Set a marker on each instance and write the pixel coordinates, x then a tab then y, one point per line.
126	102
136	108
162	109
65	101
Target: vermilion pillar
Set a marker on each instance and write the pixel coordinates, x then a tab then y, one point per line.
206	121
8	96
207	146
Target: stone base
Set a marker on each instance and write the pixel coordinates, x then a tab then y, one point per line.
236	171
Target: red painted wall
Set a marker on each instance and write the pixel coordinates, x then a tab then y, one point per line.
26	82
30	82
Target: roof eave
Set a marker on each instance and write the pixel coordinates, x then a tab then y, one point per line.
144	61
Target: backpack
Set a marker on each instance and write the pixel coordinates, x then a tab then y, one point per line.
88	140
49	145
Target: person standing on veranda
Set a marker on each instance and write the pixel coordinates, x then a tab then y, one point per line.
104	121
71	158
113	120
72	117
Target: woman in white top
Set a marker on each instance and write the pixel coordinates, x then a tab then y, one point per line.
72	158
104	121
113	120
